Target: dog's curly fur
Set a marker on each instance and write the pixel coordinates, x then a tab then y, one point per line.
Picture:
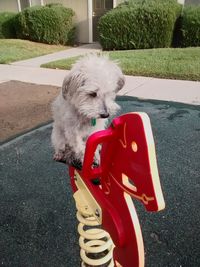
88	92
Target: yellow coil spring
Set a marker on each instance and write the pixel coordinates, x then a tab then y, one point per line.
95	243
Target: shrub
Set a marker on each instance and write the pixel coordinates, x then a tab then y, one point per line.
139	24
50	24
190	26
7	29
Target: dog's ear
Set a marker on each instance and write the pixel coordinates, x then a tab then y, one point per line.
66	86
120	83
71	83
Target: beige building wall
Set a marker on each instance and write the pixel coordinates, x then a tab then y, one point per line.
35	2
8	5
81	17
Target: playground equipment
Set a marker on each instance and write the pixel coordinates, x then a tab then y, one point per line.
110	233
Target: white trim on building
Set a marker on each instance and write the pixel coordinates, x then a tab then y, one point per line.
19	6
90	23
114	3
181	2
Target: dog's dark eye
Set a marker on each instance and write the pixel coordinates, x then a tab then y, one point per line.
93	94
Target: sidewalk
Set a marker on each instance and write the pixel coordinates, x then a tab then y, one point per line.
141	87
80	50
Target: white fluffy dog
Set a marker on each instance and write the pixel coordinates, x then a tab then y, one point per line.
86	100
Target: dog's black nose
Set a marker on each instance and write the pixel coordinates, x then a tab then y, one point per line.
104	115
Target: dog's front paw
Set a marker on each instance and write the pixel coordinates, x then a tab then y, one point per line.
60	157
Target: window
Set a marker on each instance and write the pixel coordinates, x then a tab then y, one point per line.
99	4
103	4
27	3
108	4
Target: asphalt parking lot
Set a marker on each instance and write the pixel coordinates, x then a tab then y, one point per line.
37	212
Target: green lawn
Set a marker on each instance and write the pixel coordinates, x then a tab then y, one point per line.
171	63
15	49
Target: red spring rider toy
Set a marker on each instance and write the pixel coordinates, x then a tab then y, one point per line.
110	233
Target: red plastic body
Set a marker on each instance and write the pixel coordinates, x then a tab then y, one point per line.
128	170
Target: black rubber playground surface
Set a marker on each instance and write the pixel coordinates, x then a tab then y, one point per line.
37	212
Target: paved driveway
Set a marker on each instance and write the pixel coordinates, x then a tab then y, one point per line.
37	214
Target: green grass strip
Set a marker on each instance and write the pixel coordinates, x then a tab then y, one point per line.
15	49
169	63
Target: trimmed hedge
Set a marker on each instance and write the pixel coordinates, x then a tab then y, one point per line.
51	24
139	25
190	26
7	29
